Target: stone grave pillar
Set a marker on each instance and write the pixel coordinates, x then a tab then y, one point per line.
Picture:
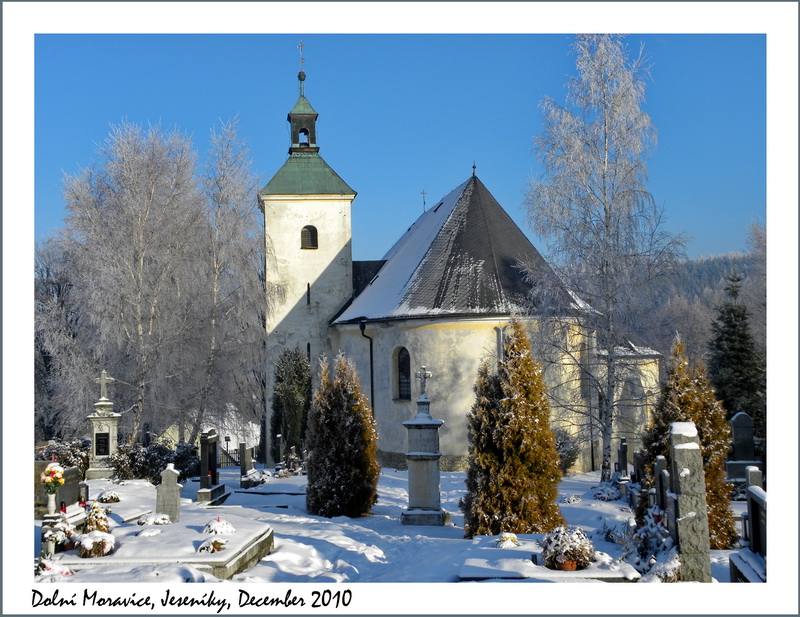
424	499
210	488
168	494
691	509
104	432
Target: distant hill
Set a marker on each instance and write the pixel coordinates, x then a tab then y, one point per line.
686	302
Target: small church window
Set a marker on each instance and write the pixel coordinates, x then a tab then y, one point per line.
303	137
403	375
308	237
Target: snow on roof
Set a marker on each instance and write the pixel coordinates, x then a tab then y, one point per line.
462	256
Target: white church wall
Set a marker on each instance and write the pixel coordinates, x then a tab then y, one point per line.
314	283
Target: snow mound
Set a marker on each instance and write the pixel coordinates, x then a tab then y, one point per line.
219	526
154	519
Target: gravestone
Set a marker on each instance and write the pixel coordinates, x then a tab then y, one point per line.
754	476
245	458
743	454
424	497
168	494
210	489
749	565
209	461
69	492
104	432
690	507
742	428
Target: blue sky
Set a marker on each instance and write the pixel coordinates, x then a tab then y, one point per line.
400	114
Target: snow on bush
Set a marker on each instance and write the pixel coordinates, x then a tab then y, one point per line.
97	519
653	542
507	540
665	569
567	544
606	491
59	532
95	544
218	526
154	519
571	499
212	545
147	532
108	497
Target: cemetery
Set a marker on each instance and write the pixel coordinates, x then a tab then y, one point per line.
250	524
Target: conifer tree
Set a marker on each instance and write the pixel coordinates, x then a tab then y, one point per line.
513	475
688	396
342	445
735	368
291	400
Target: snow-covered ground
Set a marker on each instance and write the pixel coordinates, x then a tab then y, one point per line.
375	548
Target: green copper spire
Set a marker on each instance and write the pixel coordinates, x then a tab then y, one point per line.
305	172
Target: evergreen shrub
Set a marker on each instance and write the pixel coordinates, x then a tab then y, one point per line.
342	447
687	396
513	475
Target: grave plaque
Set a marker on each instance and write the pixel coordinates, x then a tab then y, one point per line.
101	447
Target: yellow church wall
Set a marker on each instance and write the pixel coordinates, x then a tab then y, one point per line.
450	348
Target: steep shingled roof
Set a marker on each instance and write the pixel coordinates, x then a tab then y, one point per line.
460	257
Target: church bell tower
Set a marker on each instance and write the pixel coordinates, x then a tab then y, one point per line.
307	231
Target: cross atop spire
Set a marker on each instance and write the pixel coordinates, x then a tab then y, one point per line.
301	76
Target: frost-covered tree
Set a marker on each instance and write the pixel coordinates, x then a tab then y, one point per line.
735	368
513	474
688	396
291	400
604	229
342	444
165	291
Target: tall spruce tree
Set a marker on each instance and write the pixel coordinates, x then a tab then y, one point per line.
688	396
513	475
735	367
291	401
342	445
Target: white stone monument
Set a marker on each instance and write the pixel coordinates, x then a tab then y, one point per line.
424	499
104	432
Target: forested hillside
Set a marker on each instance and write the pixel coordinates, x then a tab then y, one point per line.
686	302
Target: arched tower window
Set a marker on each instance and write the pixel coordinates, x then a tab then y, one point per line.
308	237
403	375
304	137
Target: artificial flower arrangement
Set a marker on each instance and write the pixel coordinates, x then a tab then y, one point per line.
52	478
567	549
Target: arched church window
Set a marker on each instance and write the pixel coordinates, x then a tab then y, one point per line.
308	237
303	137
403	375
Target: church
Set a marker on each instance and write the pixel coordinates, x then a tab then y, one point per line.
441	298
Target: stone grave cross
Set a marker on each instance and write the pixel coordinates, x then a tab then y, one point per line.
104	380
423	377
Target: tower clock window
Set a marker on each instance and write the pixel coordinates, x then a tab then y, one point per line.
308	238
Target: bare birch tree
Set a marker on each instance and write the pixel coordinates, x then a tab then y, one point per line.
605	232
132	226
